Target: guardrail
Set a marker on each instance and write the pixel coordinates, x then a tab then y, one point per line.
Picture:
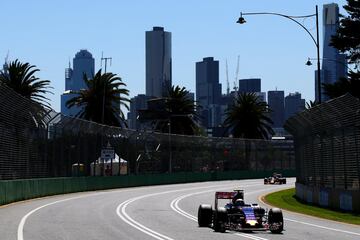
346	200
18	190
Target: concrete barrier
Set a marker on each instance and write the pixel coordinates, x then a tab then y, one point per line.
348	200
17	190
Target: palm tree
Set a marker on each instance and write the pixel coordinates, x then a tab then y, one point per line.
179	112
248	117
310	104
21	78
102	99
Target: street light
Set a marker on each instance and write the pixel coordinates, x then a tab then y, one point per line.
309	63
170	151
242	20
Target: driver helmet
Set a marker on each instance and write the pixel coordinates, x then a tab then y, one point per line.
239	202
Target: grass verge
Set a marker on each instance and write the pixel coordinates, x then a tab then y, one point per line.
286	199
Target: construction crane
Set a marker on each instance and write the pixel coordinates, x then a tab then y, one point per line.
227	79
237	74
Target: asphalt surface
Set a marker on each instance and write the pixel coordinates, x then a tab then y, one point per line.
158	212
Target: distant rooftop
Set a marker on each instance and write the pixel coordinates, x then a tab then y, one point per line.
83	53
158	29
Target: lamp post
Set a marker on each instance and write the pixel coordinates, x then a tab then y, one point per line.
103	102
241	20
170	151
309	63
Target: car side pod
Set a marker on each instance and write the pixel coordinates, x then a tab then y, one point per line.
275	220
204	215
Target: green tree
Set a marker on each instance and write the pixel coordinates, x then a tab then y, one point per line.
310	104
351	85
347	38
347	41
248	117
104	88
21	78
180	112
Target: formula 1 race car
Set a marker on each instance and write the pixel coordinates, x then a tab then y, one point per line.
276	178
238	216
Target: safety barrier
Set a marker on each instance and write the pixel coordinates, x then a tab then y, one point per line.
18	190
346	200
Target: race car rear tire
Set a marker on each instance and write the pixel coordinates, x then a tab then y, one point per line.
204	215
219	219
275	217
284	181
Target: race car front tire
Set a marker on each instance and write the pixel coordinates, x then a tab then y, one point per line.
204	215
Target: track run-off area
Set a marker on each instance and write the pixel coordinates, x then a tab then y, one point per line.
166	212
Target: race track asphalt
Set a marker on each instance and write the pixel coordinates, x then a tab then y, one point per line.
165	212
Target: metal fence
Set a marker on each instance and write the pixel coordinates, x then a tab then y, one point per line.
327	144
43	143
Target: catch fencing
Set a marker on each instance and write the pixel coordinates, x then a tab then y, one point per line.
327	153
37	143
327	144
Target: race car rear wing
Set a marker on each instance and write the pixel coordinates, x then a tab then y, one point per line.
238	194
228	195
224	195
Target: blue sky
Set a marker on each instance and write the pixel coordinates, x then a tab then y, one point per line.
48	33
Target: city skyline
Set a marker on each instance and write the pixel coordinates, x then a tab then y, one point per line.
275	59
83	63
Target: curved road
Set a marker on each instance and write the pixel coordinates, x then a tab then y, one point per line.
158	212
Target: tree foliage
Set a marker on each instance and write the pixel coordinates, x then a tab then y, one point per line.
248	117
105	88
347	38
310	104
180	112
351	85
21	78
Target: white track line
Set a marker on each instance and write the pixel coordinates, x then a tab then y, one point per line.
311	224
121	209
175	206
20	230
323	227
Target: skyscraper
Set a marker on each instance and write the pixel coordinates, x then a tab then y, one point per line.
333	63
158	62
276	105
208	89
250	85
138	102
293	104
83	63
